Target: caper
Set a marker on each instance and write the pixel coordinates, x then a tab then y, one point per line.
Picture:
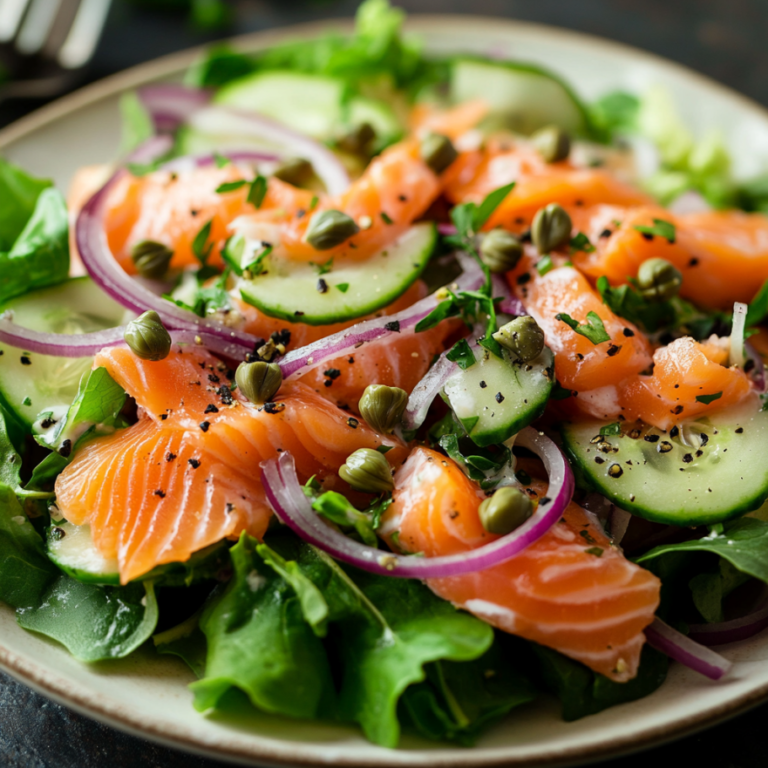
151	259
551	228
295	171
147	337
259	381
437	151
658	280
383	407
368	471
358	140
329	229
501	250
552	143
506	510
523	337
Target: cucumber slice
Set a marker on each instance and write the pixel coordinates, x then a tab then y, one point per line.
33	383
528	95
292	290
379	115
495	398
72	549
678	477
310	104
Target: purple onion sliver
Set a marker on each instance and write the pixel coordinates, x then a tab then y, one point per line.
446	229
426	391
734	630
292	507
170	105
58	344
686	651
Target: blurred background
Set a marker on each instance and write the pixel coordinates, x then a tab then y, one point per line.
724	39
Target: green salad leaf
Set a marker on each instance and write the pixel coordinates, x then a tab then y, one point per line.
460	699
94	622
263	638
583	692
25	570
185	640
137	125
34	233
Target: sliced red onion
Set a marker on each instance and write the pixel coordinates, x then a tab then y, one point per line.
89	344
509	304
232	122
300	361
109	276
689	202
444	228
170	105
757	374
426	391
292	507
737	334
685	650
734	630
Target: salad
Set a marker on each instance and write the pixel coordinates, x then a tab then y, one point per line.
389	389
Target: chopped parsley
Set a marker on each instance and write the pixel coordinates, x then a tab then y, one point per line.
462	355
662	228
593	329
707	399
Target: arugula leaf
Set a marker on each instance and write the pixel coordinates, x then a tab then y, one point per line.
98	403
662	228
259	642
34	233
25	570
707	399
743	543
583	692
94	622
458	700
461	354
137	124
384	632
593	329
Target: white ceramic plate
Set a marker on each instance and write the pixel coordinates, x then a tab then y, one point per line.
148	695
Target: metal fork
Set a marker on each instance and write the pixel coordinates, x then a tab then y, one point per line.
43	43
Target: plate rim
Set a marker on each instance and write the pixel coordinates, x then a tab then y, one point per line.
75	694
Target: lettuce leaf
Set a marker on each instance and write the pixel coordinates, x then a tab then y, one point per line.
34	233
264	637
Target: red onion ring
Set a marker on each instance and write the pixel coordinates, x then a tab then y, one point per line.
509	304
90	344
757	374
734	630
292	507
170	105
426	391
686	650
109	276
235	122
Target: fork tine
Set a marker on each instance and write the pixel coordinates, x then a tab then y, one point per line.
11	14
36	26
84	34
62	26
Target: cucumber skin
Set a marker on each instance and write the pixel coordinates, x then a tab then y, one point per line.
683	519
327	319
588	126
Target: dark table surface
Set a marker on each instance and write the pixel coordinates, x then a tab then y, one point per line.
725	39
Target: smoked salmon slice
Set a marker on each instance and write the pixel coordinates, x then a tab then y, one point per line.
572	590
722	255
145	509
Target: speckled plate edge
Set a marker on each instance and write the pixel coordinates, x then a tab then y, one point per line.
80	698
